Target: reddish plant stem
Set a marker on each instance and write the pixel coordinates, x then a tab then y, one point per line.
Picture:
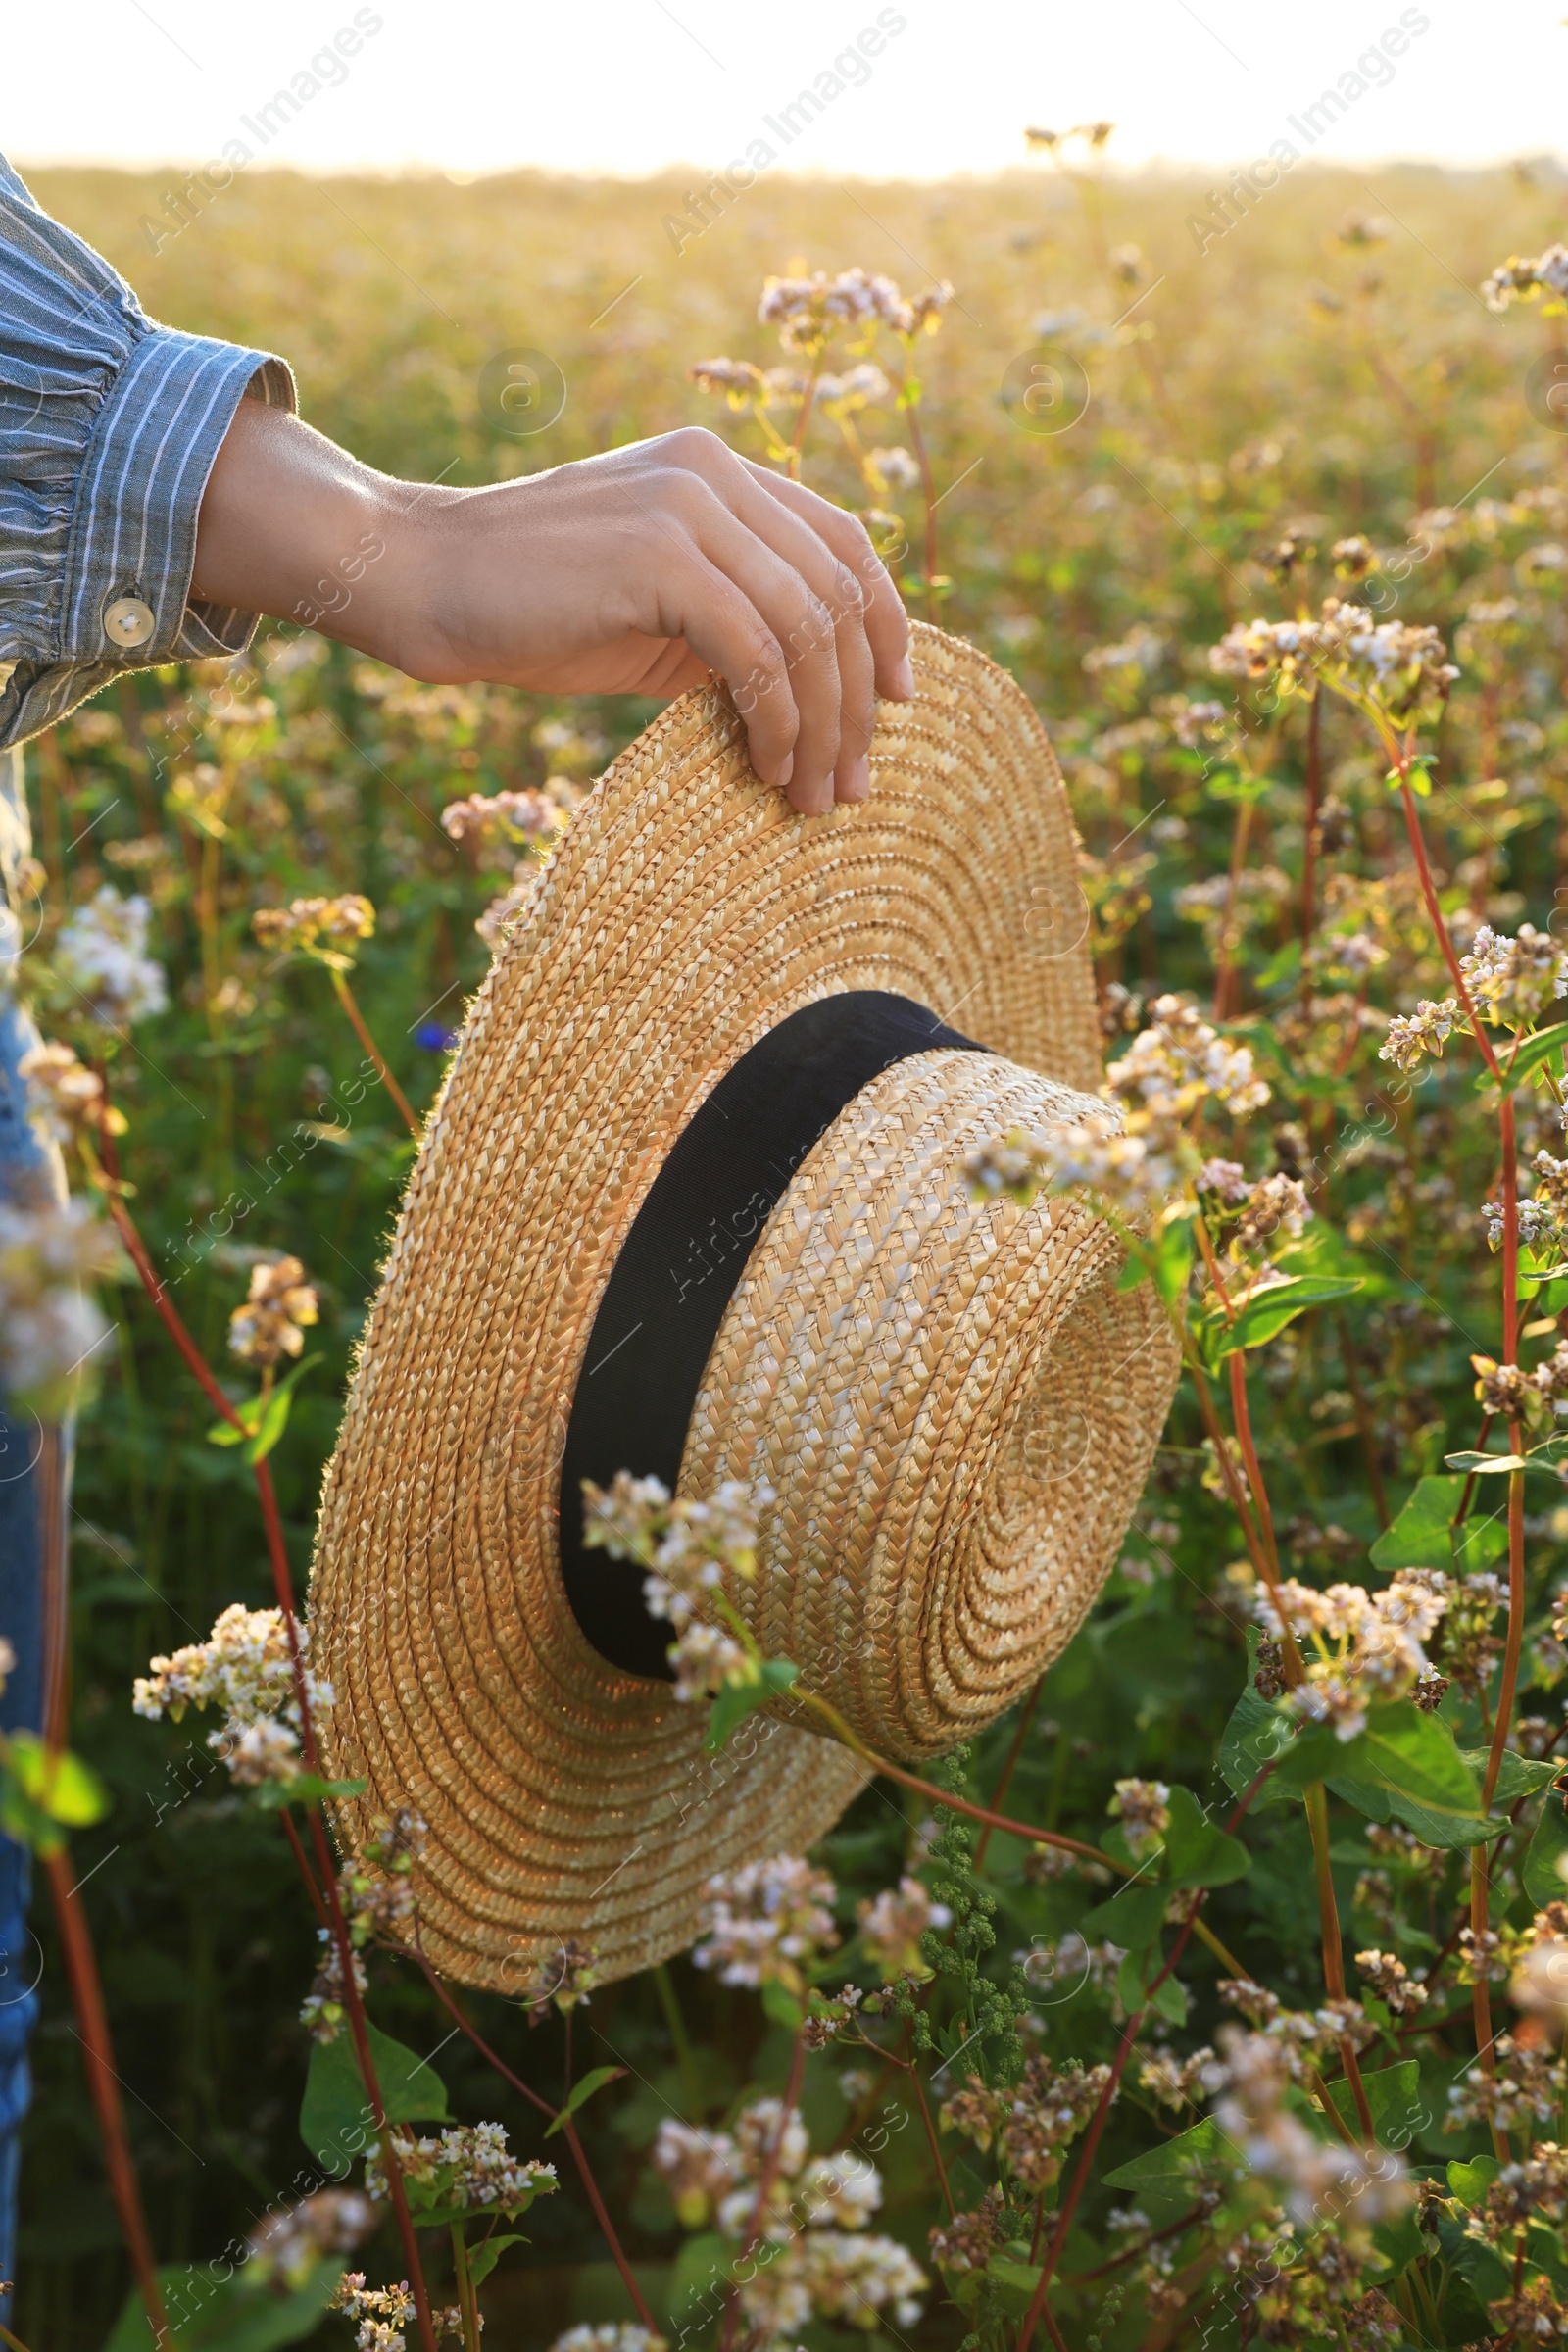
983	1814
1004	1778
282	1581
1194	2213
1317	1815
1227	1470
154	1288
1316	1798
345	998
1057	2339
305	1870
1255	1473
932	2141
1480	1871
568	2128
1480	1886
76	1936
1124	2048
86	1993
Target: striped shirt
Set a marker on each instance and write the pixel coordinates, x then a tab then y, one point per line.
109	426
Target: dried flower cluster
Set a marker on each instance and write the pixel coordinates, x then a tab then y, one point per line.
328	929
65	1098
1527	280
1395	669
809	311
273	1320
516	818
1412	1035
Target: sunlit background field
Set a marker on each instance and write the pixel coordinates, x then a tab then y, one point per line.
1324	366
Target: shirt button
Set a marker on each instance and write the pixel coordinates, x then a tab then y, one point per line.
128	620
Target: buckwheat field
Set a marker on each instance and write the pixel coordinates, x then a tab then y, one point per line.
1217	1997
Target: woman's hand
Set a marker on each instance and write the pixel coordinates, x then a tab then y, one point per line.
640	571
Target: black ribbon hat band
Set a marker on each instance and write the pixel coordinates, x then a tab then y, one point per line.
679	1267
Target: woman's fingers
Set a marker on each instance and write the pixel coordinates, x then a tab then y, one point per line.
834	584
797	625
811	603
811	573
887	625
701	604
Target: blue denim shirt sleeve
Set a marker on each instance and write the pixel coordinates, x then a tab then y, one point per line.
109	426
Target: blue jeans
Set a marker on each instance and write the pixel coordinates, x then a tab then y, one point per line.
29	1176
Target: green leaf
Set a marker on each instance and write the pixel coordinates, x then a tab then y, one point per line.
44	1791
1197	1852
482	2259
1133	1918
780	2004
304	1788
1483	2267
1482	1538
263	1419
1016	2284
702	2271
737	1700
1546	1871
1532	1053
1192	2156
1487	1465
1409	1756
1469	2178
1399	2241
1519	1776
1422	1536
1233	784
335	2119
1173	1260
229	2314
1254	1736
1267	1312
1394	2099
584	2090
1139	1984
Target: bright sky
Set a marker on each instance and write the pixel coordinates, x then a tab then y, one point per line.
628	86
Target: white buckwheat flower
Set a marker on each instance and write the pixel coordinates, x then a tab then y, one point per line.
767	1922
101	956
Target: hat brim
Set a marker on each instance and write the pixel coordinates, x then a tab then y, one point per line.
686	912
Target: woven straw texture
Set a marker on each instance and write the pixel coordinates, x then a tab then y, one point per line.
954	1404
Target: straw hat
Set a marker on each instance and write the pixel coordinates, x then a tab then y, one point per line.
693	1201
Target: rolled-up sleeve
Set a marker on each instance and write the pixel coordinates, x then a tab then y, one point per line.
109	426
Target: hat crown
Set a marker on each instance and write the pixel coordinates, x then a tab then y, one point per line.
947	1399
